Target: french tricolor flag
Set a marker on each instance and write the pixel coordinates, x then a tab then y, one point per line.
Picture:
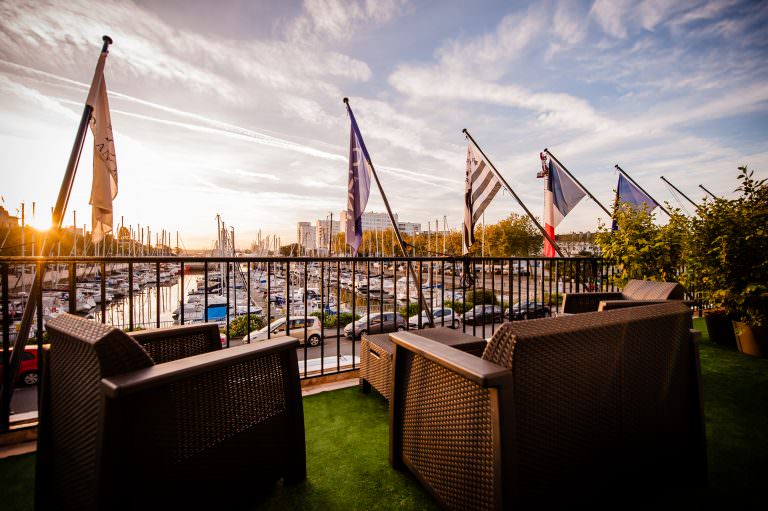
561	194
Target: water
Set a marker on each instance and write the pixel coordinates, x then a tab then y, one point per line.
145	310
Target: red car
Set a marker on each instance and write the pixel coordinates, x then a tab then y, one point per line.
29	372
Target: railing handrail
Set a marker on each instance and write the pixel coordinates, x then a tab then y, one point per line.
508	278
271	259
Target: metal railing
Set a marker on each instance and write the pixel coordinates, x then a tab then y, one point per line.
285	294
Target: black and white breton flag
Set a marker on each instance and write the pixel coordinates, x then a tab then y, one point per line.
480	187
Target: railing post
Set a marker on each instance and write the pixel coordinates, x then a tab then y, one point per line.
205	292
5	412
157	293
130	296
103	292
72	288
181	285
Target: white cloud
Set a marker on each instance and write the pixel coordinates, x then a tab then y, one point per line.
569	22
338	20
148	48
486	55
610	15
555	109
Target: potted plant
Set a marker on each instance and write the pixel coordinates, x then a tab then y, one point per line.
727	264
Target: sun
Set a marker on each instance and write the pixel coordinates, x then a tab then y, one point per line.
40	222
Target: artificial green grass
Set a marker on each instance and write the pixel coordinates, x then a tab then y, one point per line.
347	441
347	466
735	389
347	436
17	482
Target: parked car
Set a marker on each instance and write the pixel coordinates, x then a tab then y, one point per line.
441	316
379	324
480	314
520	268
29	370
313	337
527	310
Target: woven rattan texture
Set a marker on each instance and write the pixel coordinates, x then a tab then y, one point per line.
456	457
82	352
376	370
215	406
653	290
584	384
175	347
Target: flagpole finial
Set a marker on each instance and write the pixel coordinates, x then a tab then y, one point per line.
464	130
107	41
346	101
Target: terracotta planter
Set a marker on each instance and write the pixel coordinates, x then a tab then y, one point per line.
751	340
720	328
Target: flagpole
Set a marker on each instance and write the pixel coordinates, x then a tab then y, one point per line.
681	193
710	193
400	241
57	218
641	189
530	215
577	182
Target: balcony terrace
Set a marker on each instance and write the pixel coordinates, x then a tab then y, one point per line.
347	431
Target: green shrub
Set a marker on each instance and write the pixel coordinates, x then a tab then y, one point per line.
411	310
330	321
458	306
240	327
480	297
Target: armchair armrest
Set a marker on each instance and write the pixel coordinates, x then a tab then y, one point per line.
197	420
173	343
606	305
470	367
445	408
163	374
576	303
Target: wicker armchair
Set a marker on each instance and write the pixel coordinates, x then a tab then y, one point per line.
636	292
118	431
557	408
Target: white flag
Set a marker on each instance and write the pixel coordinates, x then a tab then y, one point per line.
104	186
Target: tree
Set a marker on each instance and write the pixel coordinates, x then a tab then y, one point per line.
640	249
290	250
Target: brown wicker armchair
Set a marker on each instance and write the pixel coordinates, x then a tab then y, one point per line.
118	431
636	292
557	408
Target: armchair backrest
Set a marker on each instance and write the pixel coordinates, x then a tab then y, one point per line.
82	352
601	396
653	290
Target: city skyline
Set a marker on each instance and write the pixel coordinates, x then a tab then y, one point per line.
235	109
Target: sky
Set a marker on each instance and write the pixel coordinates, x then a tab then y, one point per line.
235	107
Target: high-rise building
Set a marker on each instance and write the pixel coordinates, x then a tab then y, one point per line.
322	233
372	221
409	228
306	236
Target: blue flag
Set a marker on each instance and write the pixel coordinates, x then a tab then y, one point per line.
627	191
359	185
